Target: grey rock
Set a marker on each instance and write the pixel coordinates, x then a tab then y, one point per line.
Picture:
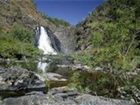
98	69
1	103
95	100
4	1
27	100
63	93
75	67
55	77
66	38
64	98
18	81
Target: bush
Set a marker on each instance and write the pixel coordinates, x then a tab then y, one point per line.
21	33
17	43
115	85
16	49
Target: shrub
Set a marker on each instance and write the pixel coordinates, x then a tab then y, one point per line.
21	33
17	43
106	84
15	49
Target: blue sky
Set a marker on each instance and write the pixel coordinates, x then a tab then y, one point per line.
72	11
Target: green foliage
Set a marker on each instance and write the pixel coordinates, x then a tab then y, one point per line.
56	21
111	30
84	57
14	48
47	85
17	43
112	34
21	33
96	82
76	82
105	83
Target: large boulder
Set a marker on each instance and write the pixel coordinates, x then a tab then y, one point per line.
18	81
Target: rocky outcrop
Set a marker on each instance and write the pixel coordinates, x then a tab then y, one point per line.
18	81
21	12
66	38
22	87
63	97
83	36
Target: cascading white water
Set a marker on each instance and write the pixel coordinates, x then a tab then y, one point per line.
42	66
45	42
45	45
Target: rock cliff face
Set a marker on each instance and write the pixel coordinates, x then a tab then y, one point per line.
67	38
19	11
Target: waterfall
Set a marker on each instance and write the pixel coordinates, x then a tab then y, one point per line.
46	45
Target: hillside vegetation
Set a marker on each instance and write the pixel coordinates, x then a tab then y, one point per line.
108	41
109	36
56	21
